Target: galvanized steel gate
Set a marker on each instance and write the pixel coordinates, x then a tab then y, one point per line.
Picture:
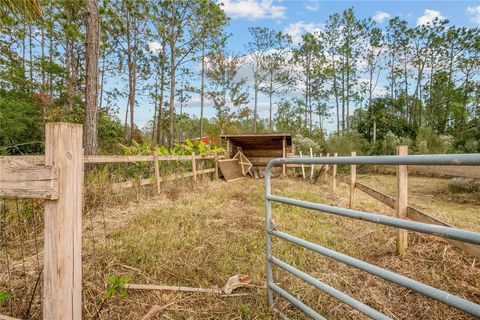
431	292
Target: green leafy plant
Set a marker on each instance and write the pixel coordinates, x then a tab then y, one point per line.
4	296
115	286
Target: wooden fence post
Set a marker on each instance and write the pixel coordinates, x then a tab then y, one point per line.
353	180
402	201
194	167
327	167
62	292
284	155
312	167
216	166
303	166
157	170
334	174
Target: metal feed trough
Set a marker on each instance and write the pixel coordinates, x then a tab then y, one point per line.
426	290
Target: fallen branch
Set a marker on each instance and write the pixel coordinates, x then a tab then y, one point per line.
133	286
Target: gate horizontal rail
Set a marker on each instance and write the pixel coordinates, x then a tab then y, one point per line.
442	231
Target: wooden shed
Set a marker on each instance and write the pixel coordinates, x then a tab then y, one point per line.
259	148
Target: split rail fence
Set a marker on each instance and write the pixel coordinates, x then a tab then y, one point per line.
400	201
58	178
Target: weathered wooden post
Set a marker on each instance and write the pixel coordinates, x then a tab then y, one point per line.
157	170
284	155
327	166
353	180
303	166
312	167
321	174
334	174
402	201
194	167
216	166
62	289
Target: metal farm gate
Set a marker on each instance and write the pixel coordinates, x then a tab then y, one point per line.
442	231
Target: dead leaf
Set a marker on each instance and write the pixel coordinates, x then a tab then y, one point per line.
235	282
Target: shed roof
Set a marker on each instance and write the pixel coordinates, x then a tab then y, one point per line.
259	140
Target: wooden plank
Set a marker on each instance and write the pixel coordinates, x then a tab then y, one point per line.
40	159
115	159
353	179
402	201
230	169
62	294
415	215
383	198
456	171
419	216
244	162
21	179
157	170
32	159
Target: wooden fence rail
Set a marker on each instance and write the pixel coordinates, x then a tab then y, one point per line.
40	159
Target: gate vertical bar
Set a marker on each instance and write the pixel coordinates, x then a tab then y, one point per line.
268	227
63	224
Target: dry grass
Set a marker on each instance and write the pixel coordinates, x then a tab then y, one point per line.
433	196
201	234
203	238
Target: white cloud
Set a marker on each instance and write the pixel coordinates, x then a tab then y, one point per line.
380	16
253	9
475	13
312	5
154	46
428	16
297	29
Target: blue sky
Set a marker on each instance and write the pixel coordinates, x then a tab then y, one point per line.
299	17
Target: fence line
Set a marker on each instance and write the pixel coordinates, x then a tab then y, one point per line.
409	211
58	178
40	159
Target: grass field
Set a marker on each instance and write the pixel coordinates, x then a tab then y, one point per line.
201	234
200	238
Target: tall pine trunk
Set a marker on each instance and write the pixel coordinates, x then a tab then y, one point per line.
172	93
91	81
160	99
202	88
